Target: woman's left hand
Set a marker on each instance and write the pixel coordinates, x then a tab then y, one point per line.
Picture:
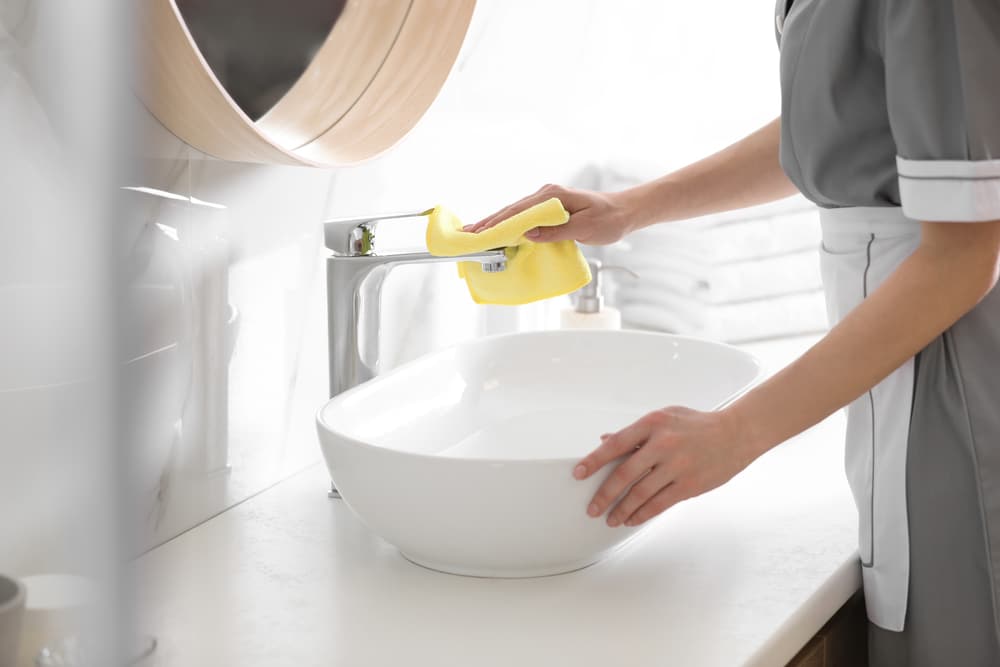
673	454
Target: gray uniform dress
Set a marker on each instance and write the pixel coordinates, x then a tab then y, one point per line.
891	116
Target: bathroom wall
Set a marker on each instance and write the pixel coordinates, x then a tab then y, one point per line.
222	350
223	334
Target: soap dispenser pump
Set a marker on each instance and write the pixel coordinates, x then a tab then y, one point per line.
590	312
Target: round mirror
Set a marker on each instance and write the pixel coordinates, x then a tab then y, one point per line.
258	49
316	82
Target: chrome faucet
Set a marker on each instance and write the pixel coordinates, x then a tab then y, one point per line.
355	272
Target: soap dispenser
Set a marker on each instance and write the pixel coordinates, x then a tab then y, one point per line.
589	312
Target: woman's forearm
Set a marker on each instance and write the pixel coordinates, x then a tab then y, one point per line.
954	267
744	174
676	453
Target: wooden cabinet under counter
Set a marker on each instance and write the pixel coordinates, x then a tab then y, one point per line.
842	642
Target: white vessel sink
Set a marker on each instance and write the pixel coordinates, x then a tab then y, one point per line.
463	459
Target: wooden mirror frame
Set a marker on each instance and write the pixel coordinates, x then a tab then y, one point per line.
373	78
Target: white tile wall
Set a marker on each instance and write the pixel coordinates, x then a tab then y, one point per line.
230	361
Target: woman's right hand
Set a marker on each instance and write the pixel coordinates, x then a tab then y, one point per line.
595	218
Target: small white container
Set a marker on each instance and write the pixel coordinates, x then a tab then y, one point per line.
606	318
56	608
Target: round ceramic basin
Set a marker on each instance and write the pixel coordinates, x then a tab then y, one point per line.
463	458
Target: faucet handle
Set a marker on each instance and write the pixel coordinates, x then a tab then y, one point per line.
356	236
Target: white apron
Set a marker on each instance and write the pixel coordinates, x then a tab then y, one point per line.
862	246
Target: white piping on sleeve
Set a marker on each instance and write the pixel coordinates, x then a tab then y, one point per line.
950	190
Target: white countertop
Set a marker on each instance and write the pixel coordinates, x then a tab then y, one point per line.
744	575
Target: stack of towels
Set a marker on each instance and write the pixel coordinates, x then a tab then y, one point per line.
740	276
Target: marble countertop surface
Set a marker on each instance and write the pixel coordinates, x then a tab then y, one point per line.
744	575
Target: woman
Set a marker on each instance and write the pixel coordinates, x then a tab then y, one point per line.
891	124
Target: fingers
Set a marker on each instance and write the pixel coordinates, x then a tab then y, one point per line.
670	455
612	446
562	232
663	500
506	212
628	472
640	483
643	490
502	214
544	193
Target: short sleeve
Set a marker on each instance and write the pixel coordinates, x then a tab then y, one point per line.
942	71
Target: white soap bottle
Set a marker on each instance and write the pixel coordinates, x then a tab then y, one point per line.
590	311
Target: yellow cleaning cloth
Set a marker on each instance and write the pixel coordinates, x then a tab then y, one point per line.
534	271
